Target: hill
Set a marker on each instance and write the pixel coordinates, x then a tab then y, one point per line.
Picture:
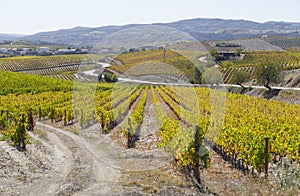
10	36
284	42
200	29
177	65
253	44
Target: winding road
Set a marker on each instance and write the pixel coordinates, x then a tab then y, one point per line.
203	59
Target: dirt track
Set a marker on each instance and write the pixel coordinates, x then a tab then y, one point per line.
78	167
59	162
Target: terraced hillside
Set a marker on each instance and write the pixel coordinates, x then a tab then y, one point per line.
286	60
174	63
59	66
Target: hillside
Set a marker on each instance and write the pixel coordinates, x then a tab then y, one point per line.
178	65
284	42
200	29
10	36
162	118
255	44
123	130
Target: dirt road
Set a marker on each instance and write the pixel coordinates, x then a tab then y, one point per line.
79	167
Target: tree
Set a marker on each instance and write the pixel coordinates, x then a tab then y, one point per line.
211	61
110	78
197	75
214	53
212	57
239	77
238	51
268	73
212	76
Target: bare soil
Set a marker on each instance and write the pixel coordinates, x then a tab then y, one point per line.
148	132
163	104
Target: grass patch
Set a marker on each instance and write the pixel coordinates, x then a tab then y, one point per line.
153	180
41	133
76	131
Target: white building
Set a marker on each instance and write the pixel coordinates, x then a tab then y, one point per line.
43	50
85	50
3	50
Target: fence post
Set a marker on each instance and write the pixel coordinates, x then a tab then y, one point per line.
196	165
7	115
102	121
266	156
30	119
23	132
65	117
129	134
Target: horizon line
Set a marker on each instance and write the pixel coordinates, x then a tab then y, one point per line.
138	23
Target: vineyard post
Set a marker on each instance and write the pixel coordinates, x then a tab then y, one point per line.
129	134
102	121
196	165
52	115
40	113
23	132
65	117
266	155
7	115
30	119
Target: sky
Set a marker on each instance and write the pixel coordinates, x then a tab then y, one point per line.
33	16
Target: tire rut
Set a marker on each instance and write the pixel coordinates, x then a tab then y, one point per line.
80	176
76	166
89	170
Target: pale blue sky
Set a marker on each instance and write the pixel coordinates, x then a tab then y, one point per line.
32	16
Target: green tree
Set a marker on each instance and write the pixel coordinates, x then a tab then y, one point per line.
212	76
212	57
239	77
269	73
238	51
110	77
197	74
214	53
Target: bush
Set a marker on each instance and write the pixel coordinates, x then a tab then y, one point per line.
110	77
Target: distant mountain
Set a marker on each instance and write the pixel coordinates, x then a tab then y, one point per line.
145	35
78	36
201	29
10	36
219	29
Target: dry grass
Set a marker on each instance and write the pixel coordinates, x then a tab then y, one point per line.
41	133
152	181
